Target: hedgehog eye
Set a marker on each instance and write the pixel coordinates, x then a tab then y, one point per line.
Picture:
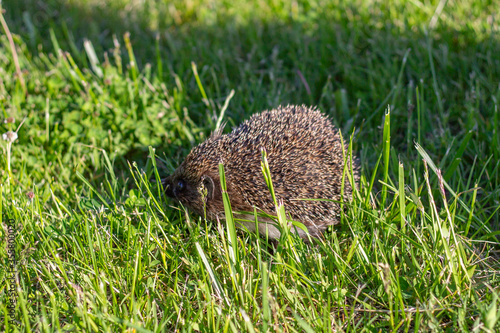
181	185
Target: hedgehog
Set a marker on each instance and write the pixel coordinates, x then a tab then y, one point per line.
306	161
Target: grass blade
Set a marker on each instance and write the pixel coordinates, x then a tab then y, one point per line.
386	148
230	222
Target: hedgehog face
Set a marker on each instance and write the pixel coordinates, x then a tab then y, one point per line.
176	187
182	189
192	193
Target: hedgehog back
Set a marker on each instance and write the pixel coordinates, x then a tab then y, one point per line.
304	152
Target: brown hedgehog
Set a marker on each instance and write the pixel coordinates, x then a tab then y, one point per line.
304	152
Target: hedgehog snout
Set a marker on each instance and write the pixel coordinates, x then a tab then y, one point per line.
167	185
175	187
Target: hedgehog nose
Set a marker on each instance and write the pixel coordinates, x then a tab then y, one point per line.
168	187
169	192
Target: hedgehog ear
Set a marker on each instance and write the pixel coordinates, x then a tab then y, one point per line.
209	185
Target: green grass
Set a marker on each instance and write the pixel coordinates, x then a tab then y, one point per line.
107	113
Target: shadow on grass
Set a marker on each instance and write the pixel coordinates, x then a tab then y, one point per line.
344	58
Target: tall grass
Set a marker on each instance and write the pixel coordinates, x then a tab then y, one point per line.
107	113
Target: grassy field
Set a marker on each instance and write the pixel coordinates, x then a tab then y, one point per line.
106	97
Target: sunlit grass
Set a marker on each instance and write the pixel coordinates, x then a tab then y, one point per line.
108	113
